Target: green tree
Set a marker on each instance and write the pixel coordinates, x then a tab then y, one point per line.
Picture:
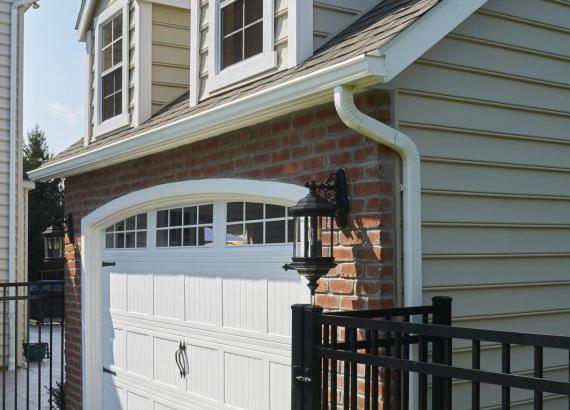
45	201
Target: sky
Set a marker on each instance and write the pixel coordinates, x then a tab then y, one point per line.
54	73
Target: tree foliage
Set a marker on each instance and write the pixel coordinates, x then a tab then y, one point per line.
45	201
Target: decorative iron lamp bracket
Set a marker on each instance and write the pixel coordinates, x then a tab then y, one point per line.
335	190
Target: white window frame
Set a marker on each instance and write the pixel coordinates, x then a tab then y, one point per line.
121	120
265	61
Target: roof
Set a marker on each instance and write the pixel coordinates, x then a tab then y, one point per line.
370	32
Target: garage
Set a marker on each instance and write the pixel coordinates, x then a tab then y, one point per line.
194	308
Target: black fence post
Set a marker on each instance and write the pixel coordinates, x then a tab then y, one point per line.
441	394
297	364
305	363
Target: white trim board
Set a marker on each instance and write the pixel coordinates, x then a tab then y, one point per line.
93	225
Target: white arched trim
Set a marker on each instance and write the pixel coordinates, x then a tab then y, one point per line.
170	194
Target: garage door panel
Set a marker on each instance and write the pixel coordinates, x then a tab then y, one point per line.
243	381
168	291
165	370
243	304
281	294
279	376
139	293
139	349
114	396
203	299
113	345
204	377
138	402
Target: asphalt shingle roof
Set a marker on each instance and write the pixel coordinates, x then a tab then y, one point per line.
370	32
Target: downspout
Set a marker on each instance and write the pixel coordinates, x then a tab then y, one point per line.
410	155
15	35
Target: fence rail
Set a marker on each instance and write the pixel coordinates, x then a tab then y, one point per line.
364	359
33	314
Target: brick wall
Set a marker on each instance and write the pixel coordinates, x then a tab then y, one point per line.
294	148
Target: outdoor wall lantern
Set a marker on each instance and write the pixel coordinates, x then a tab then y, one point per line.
53	242
313	220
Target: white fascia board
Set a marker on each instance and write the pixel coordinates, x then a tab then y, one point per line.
84	17
422	35
314	88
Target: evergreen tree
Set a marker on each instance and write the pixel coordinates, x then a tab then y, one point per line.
45	201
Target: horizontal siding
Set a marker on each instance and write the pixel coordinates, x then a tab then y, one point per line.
488	108
329	16
170	54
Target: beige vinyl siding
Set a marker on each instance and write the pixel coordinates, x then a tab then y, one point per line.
170	54
489	109
280	39
329	16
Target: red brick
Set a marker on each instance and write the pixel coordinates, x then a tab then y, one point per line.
343	286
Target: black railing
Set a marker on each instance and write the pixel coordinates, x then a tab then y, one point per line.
369	359
33	314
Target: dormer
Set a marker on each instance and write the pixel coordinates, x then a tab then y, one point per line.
143	54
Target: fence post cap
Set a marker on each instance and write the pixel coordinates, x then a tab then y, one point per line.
299	306
441	299
312	308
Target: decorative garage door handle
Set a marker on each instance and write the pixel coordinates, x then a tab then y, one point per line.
181	358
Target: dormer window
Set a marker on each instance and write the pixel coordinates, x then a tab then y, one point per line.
112	75
242	30
111	63
241	41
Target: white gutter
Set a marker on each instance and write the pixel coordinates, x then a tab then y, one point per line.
405	147
15	33
303	92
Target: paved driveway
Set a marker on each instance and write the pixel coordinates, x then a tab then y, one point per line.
39	374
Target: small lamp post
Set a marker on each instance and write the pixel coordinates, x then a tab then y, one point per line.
314	228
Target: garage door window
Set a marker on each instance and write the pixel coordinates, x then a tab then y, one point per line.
128	233
185	226
252	223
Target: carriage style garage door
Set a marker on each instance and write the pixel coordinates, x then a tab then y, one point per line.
206	275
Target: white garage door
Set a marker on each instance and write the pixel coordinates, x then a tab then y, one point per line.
209	276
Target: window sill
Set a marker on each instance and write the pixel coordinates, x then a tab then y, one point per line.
242	71
110	125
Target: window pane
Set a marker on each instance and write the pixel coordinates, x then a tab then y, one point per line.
109	240
253	211
108	58
108	84
162	237
118	103
110	229
234	211
107	34
275	232
141	221
118	74
131	223
232	50
162	218
120	226
254	233
234	235
274	211
190	215
130	240
176	217
205	235
117	52
118	27
141	239
253	40
119	240
253	11
206	214
175	237
232	17
189	237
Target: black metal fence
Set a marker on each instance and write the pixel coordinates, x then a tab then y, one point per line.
32	323
364	359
